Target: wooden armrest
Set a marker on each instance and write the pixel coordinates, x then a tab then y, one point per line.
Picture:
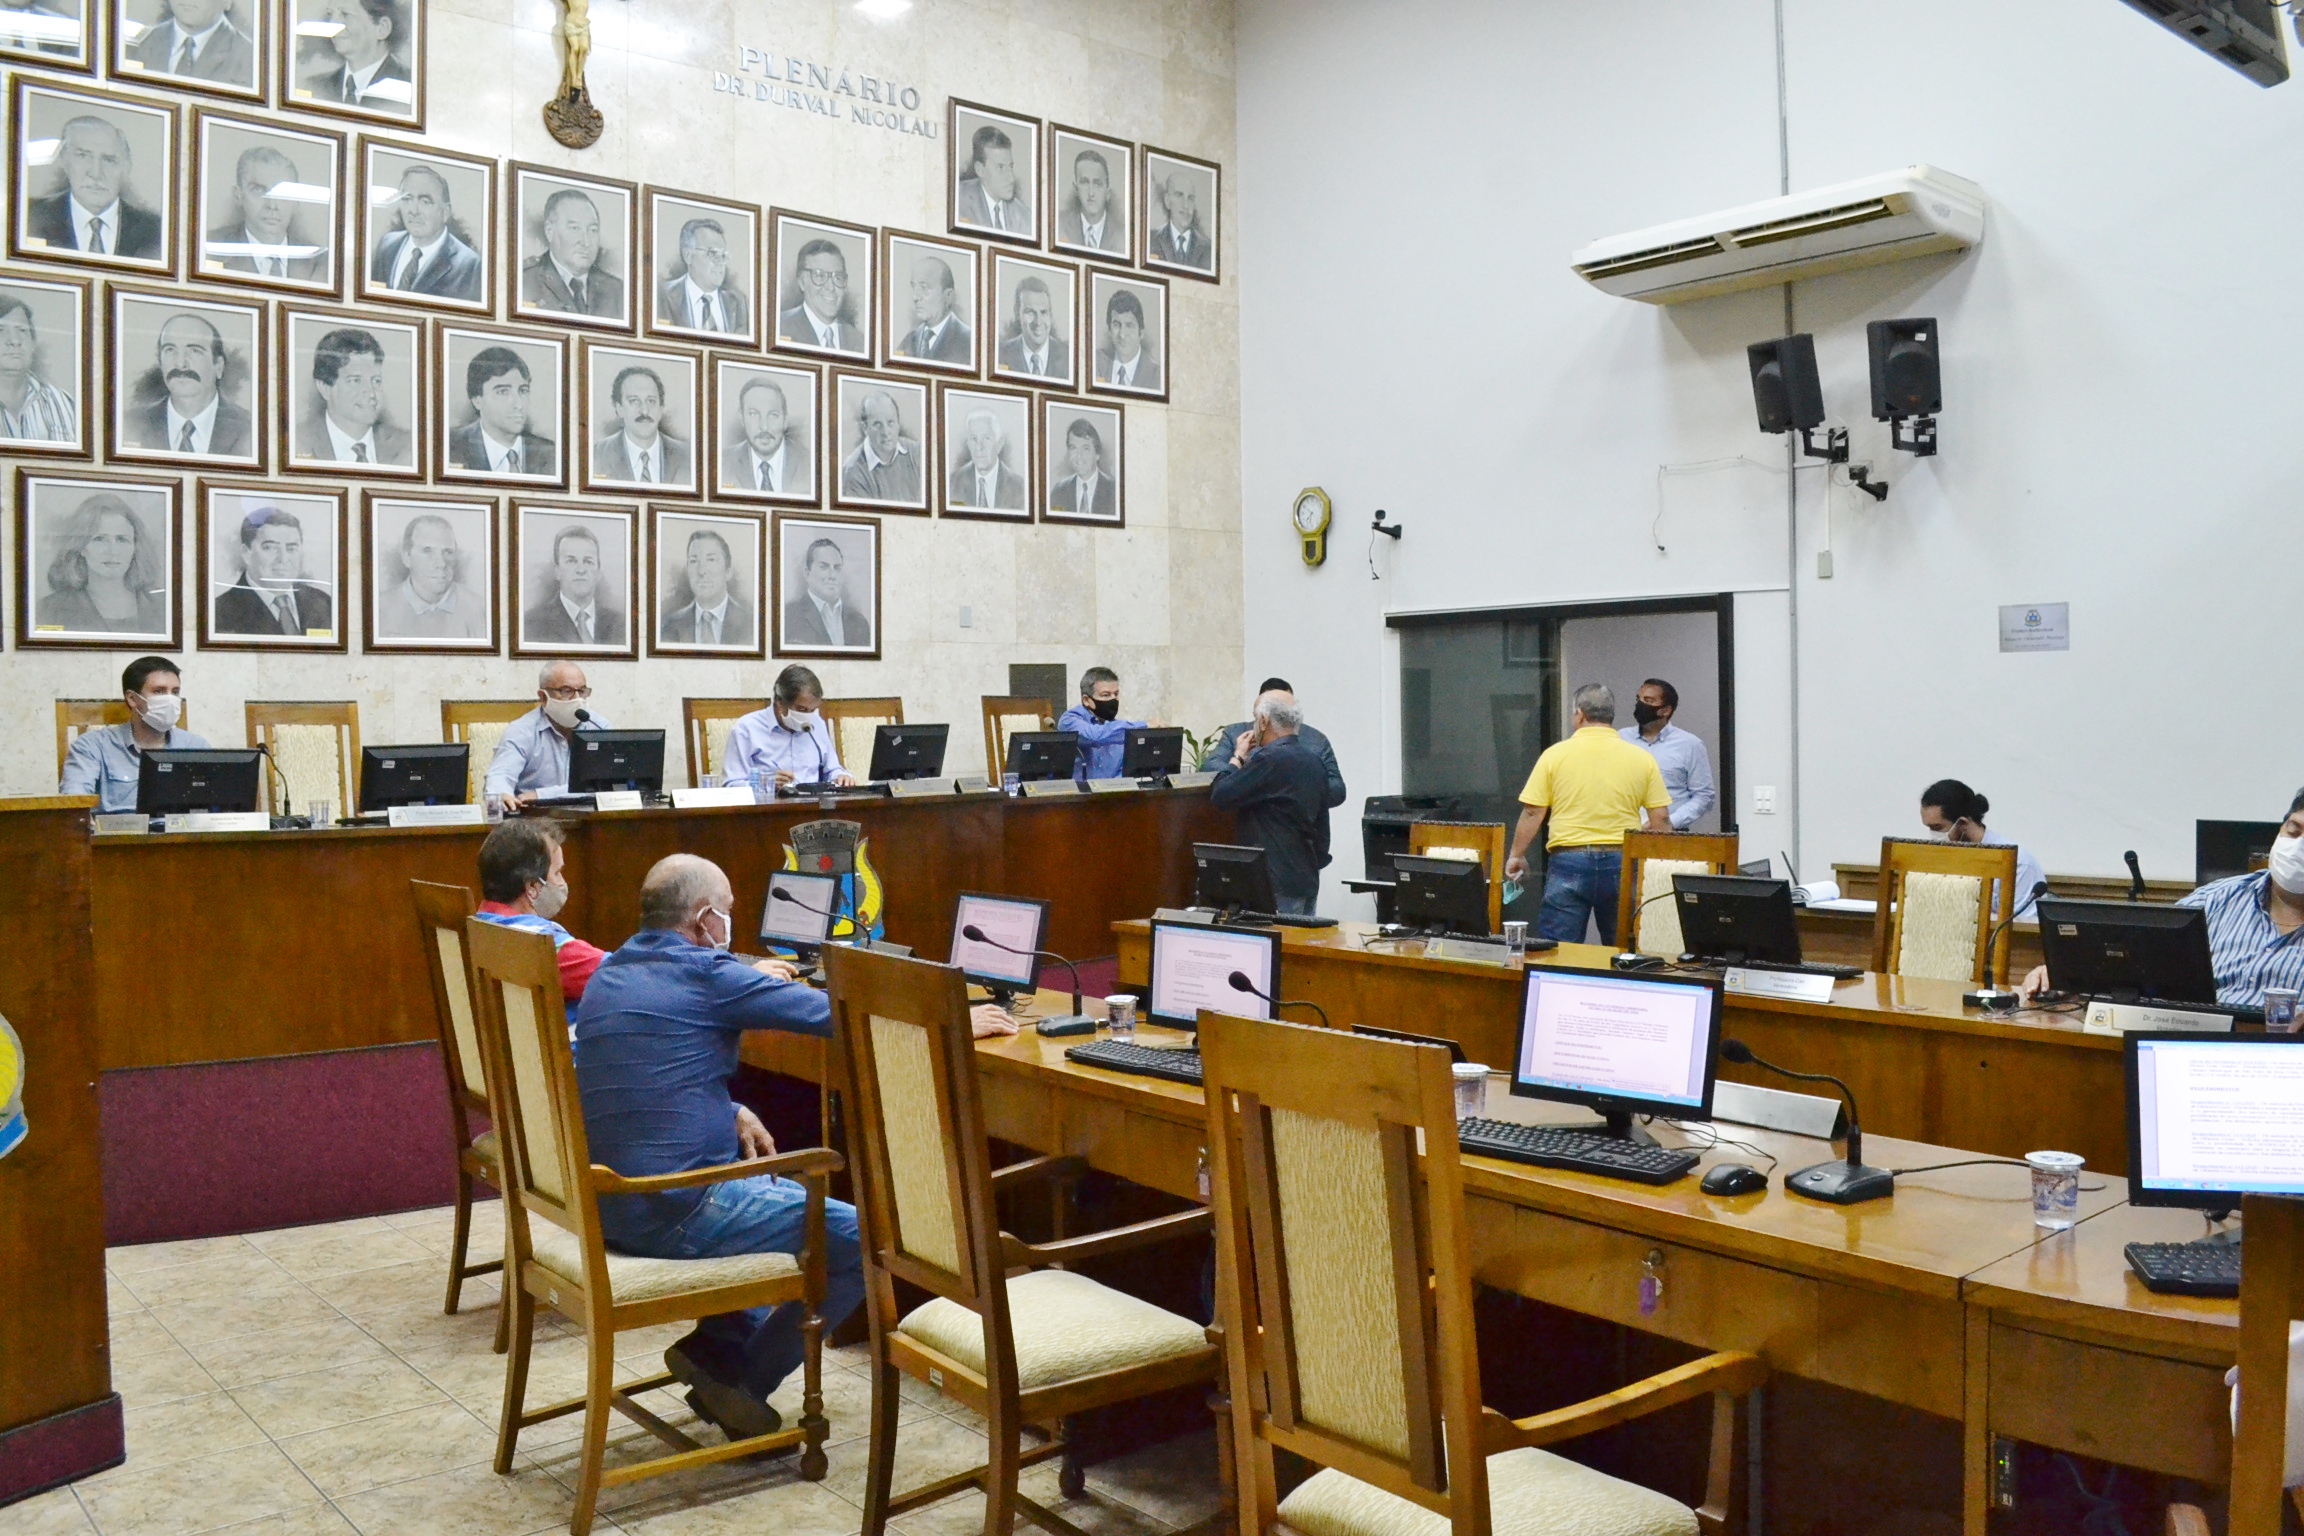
1018	1254
1039	1168
813	1160
1733	1373
2187	1520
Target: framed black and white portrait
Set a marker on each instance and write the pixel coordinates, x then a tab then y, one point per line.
1127	325
54	34
827	573
267	202
355	58
350	387
928	304
496	408
432	571
641	410
1082	445
823	286
1090	190
573	575
426	227
46	370
702	257
705	574
96	561
1180	208
994	173
272	568
187	385
1032	309
767	421
987	465
882	434
94	177
219	47
572	237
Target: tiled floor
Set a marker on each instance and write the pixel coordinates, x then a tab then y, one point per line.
306	1383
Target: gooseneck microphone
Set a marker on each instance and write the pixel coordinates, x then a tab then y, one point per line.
2135	876
1840	1183
287	796
976	935
1240	983
1991	997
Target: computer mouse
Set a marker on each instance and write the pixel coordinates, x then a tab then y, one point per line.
1734	1179
1628	961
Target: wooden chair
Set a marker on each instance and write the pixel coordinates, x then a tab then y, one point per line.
1935	909
555	1251
1004	715
706	723
480	724
1647	919
316	748
2271	1296
852	722
441	911
75	717
1012	1338
1344	1276
1485	838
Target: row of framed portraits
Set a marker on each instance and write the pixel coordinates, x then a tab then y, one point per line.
209	383
264	205
98	562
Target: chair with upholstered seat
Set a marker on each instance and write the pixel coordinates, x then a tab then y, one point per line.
76	717
440	914
852	723
479	724
315	749
1017	1341
1004	716
1344	1268
555	1252
1646	920
1482	838
706	723
1935	909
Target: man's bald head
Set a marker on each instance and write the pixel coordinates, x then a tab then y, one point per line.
679	889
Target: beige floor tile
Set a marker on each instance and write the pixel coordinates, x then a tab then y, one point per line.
248	1358
236	1486
287	1406
422	1328
199	1323
466	1501
629	1443
118	1298
162	1375
375	1453
787	1507
322	1258
412	1284
242	1275
1176	1482
926	1450
280	1239
475	1378
963	1513
312	1520
55	1513
138	1333
847	1404
186	1430
141	1258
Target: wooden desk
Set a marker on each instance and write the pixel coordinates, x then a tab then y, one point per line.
1921	1065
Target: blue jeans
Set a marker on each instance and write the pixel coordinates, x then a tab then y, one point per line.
1580	883
760	1346
1285	905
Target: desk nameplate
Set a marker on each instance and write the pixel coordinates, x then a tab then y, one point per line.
121	823
913	789
1478	951
974	784
436	816
1035	789
704	799
1794	985
220	821
2123	1018
618	800
1190	780
1112	786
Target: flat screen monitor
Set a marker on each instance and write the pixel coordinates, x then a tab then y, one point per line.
2214	1117
1736	918
2222	849
1454	1048
599	760
1231	878
1760	867
1624	1045
430	773
1037	755
1152	750
184	779
1192	966
907	751
2126	951
1017	922
800	908
1440	895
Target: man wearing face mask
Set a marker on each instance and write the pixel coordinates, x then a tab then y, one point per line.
532	758
1679	754
109	762
1954	813
1096	721
524	884
786	743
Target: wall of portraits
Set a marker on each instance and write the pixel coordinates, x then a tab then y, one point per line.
316	353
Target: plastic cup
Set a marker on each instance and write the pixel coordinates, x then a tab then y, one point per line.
1471	1090
320	813
2280	1010
708	781
2055	1189
1516	937
1120	1014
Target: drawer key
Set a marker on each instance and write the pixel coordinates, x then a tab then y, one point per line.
1651	1282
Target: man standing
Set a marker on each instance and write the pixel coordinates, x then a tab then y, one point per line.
886	463
1592	788
1096	721
91	214
574	613
788	742
1092	220
1036	349
1679	754
271	598
820	272
532	757
938	333
820	615
713	615
991	194
199	42
260	240
524	884
640	452
108	762
1087	490
346	425
698	295
767	457
1277	790
567	276
432	602
423	255
499	442
1221	750
1122	360
193	417
986	480
1181	242
370	73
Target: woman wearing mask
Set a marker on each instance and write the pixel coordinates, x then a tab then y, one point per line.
1954	813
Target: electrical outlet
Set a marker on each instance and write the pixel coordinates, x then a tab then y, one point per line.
1763	799
1823	565
967	617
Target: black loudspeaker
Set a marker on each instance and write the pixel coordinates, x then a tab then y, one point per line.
1906	377
1785	389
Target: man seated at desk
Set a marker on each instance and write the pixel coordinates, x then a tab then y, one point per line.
1276	787
108	762
1096	721
532	757
524	884
788	742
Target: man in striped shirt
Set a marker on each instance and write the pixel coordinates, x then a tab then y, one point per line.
31	408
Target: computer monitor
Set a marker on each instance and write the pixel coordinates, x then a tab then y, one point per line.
1624	1045
1440	895
1152	750
1454	1048
800	910
599	760
1017	922
429	773
1037	755
1761	867
2126	951
1736	918
183	779
2213	1117
2222	849
1231	879
1192	966
907	751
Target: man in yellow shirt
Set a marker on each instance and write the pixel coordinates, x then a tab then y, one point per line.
1593	787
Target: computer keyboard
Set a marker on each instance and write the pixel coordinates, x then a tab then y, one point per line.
1794	967
1176	1065
1549	1146
2187	1269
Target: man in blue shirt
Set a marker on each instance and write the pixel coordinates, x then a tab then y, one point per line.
788	742
1679	754
109	762
1277	791
532	757
1096	721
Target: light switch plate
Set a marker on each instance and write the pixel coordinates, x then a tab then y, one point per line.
1763	799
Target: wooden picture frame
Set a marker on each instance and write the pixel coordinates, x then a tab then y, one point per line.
234	62
53	610
798	621
1014	481
798	478
41	228
460	446
976	207
797	237
669	312
421	595
234	615
47	36
1164	174
1071	230
1054	288
608	466
1059	472
1101	321
677	553
952	343
237	251
386	88
311	414
459	273
136	426
536	289
847	464
534	612
55	396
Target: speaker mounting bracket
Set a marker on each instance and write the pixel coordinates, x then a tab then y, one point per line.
1835	449
1860	476
1921	443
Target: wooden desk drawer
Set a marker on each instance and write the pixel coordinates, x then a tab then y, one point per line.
2084	1398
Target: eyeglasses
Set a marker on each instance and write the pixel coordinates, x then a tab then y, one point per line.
818	277
565	694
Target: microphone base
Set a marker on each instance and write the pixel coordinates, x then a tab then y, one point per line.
1991	999
1067	1024
1841	1182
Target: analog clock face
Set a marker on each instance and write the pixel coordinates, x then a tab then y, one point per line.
1311	512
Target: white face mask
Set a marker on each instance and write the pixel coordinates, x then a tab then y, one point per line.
800	719
2287	864
162	711
562	712
550	897
727	927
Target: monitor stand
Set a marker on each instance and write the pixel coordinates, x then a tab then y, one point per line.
1617	1125
1236	916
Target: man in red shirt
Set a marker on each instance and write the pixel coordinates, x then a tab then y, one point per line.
524	884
